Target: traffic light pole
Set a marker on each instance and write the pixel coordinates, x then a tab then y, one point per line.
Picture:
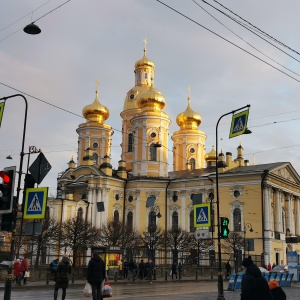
220	275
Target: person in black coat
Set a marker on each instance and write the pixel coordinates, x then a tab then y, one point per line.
254	286
276	291
96	274
62	278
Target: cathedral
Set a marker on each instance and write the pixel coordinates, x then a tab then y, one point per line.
262	202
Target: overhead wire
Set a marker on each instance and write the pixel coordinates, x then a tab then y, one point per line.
218	35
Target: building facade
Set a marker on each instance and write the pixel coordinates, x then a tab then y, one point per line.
262	202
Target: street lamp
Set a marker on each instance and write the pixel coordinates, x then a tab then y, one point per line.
249	227
220	275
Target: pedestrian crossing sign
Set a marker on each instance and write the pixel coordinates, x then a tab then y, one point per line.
202	215
35	203
239	123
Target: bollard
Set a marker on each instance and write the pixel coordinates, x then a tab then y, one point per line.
211	274
47	278
73	277
154	274
116	276
8	284
196	275
166	275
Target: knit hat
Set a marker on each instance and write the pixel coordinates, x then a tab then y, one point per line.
95	253
273	284
247	262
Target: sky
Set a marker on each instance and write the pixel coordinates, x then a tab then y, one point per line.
191	43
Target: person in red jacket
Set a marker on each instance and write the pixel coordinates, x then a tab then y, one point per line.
17	271
24	268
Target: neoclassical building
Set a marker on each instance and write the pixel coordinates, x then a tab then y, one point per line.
261	201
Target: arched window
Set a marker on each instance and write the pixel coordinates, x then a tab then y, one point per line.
192	228
153	153
80	213
175	220
152	218
130	142
192	163
237	220
130	221
116	216
95	158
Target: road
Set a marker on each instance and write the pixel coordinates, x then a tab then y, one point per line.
174	290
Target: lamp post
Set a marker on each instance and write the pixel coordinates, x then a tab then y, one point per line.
8	282
220	275
247	226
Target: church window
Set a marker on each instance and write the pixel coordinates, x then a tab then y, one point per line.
152	219
153	135
130	198
146	75
153	153
80	213
95	145
116	216
95	158
193	163
192	150
130	142
130	221
175	221
192	227
237	220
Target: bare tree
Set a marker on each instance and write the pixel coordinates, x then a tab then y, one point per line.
76	236
234	245
200	246
177	240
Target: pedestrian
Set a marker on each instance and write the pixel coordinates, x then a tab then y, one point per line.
24	268
53	268
276	291
141	269
228	269
132	267
274	265
62	279
17	271
269	267
174	270
96	274
254	286
125	269
180	269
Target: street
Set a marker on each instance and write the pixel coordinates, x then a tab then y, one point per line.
172	290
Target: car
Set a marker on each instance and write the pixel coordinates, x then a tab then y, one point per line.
263	270
279	269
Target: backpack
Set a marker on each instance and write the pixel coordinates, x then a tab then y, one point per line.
53	266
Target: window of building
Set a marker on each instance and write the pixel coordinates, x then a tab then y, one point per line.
192	163
116	216
95	158
80	213
130	142
152	218
130	221
95	145
192	150
237	220
153	153
192	227
175	221
146	75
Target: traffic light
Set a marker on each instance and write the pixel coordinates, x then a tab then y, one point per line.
224	228
7	189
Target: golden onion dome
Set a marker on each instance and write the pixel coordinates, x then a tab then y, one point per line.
188	119
211	156
144	62
152	100
96	112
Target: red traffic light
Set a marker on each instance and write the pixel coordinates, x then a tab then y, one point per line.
6	178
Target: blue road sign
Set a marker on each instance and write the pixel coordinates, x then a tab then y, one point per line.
239	123
35	203
202	215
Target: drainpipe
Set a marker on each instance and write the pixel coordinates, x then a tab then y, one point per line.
166	221
124	200
263	181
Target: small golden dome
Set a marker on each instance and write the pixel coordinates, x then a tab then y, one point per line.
144	62
96	112
189	119
211	156
152	100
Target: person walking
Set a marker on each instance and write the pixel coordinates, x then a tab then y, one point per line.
269	268
96	274
17	271
24	268
276	291
254	286
62	279
228	269
180	269
174	270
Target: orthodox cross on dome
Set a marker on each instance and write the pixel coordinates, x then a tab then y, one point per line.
145	44
189	94
97	85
